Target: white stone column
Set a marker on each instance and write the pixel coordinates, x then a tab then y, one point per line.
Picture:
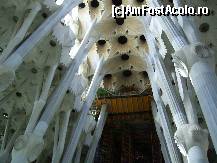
192	141
187	135
39	104
197	62
78	153
186	96
205	84
197	155
7	69
28	146
187	24
5	154
174	101
175	35
35	8
6	132
97	134
61	135
178	40
163	118
76	133
162	139
58	95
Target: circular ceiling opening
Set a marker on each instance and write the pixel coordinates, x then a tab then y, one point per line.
142	38
101	42
204	27
108	76
140	1
122	39
94	3
127	73
125	57
119	21
145	74
52	43
82	5
117	2
18	94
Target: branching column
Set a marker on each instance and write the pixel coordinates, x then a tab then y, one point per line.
29	146
17	39
164	148
8	67
163	118
76	133
187	135
97	134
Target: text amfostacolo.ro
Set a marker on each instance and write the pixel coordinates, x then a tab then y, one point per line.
124	11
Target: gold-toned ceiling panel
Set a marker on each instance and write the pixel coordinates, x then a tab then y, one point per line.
133	104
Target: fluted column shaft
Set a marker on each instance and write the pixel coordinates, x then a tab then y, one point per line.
205	84
78	153
58	95
197	154
168	153
61	135
197	63
76	133
185	135
167	131
97	134
174	100
188	101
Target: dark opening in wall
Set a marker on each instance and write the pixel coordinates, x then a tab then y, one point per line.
18	94
108	76
52	43
122	39
44	15
82	5
1	49
12	131
127	73
94	3
117	2
145	74
142	38
15	19
160	92
34	70
60	67
140	1
204	27
119	21
101	42
125	57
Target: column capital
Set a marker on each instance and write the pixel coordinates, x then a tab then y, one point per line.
27	148
190	54
189	135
